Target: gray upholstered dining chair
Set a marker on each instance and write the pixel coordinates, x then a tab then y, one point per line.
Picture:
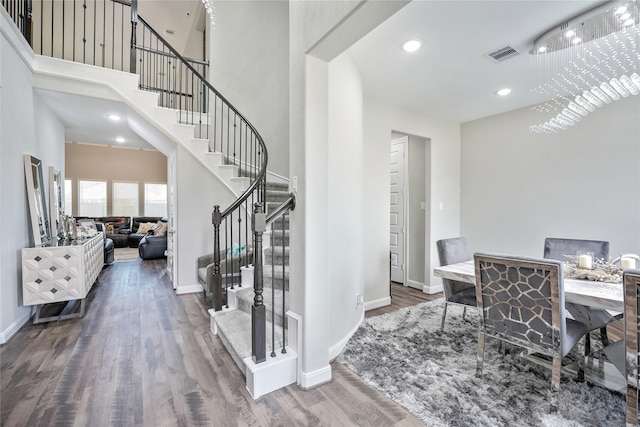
595	318
631	280
453	251
521	301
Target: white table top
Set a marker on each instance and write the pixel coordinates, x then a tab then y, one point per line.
609	296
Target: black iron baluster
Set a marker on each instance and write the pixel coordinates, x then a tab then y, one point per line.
225	247
28	16
84	31
113	35
273	291
63	27
230	248
240	249
52	27
284	219
104	29
134	25
95	8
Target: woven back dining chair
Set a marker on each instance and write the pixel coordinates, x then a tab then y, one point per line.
453	251
521	301
631	280
595	318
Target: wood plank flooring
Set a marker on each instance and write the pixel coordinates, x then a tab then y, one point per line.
143	356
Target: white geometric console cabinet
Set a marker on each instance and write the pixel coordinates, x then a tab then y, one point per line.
61	273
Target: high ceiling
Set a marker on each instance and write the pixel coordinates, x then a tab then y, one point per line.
450	77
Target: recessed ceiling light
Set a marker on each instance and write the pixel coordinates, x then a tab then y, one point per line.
411	45
542	49
120	140
570	33
114	117
504	92
576	40
629	22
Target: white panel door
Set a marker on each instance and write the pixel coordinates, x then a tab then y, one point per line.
397	225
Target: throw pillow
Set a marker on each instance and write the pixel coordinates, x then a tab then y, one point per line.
160	229
236	250
108	228
145	227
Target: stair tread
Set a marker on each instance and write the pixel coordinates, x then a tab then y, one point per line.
247	295
236	327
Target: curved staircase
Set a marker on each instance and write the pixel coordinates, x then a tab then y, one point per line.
174	104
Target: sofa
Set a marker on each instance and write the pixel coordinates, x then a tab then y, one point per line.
140	227
240	258
152	247
116	228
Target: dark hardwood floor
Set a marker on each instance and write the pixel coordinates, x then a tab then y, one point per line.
143	356
403	296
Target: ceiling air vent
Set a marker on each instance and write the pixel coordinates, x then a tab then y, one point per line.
502	54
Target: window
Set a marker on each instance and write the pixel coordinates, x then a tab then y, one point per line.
68	197
92	198
155	199
125	199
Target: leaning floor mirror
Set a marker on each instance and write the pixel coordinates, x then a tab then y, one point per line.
37	200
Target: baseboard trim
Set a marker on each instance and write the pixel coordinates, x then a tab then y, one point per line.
415	285
382	302
432	289
309	380
193	289
14	327
335	350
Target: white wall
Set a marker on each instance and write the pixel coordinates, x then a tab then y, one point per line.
249	66
380	120
417	243
197	191
312	27
26	127
520	187
344	203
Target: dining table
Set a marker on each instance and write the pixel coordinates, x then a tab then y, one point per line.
606	295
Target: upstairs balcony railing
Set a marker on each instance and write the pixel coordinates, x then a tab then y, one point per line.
111	34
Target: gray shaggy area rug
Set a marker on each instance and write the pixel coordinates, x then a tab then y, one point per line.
432	374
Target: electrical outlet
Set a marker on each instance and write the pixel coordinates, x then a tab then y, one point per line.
359	300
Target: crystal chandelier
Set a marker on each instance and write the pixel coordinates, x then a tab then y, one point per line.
211	10
587	62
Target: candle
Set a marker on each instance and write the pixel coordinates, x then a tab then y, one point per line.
585	261
627	263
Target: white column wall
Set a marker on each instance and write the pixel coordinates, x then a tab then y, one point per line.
380	119
26	127
345	211
197	191
519	187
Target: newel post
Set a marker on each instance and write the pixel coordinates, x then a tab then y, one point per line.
258	310
215	282
134	24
